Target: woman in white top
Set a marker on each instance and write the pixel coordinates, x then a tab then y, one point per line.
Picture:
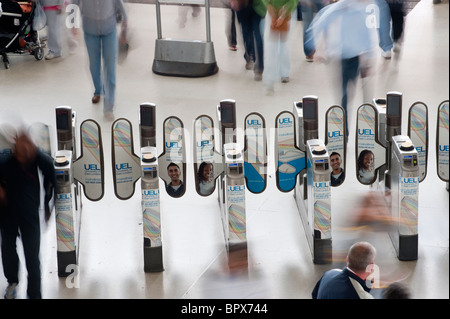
365	166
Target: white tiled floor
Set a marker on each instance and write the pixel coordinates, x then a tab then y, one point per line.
110	251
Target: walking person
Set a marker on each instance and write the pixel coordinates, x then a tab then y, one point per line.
22	187
278	62
53	10
99	18
251	18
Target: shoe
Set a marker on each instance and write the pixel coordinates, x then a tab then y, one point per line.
258	76
249	65
270	90
397	47
233	48
96	99
386	54
309	58
51	55
109	116
10	292
285	80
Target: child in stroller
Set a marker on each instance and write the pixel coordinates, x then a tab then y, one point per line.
17	35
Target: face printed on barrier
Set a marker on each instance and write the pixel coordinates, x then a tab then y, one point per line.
207	171
174	173
368	161
335	161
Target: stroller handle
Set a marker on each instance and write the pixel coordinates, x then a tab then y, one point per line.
18	15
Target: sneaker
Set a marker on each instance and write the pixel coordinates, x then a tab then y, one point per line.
386	54
233	47
52	55
10	292
270	90
397	47
249	65
258	76
109	116
309	58
285	79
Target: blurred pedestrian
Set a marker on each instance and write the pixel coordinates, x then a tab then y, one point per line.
251	17
230	25
183	11
100	20
53	10
348	39
350	282
397	9
23	192
309	9
278	61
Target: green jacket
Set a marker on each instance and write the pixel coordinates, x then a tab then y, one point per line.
291	4
260	7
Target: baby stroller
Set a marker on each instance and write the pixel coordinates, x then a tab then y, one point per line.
16	30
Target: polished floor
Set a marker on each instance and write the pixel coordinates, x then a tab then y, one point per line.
110	262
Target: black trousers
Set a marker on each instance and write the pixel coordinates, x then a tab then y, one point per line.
398	16
28	230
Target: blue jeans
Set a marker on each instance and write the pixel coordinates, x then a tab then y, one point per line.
309	9
106	47
350	71
253	39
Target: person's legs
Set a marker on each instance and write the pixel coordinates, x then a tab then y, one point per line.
10	258
245	17
271	60
259	44
109	53
31	239
349	74
54	33
285	60
94	50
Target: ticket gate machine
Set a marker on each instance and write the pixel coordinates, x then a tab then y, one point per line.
405	197
376	157
128	168
236	170
300	152
87	170
179	57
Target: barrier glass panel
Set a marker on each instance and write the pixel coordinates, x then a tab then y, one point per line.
370	154
418	133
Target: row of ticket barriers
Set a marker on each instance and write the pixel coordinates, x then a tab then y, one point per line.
385	159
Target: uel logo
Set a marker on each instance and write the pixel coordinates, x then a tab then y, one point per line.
285	120
91	167
365	131
122	166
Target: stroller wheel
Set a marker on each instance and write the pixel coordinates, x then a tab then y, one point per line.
39	53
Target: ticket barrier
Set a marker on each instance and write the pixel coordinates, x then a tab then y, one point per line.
442	143
405	197
233	169
375	158
187	58
309	159
87	170
128	168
